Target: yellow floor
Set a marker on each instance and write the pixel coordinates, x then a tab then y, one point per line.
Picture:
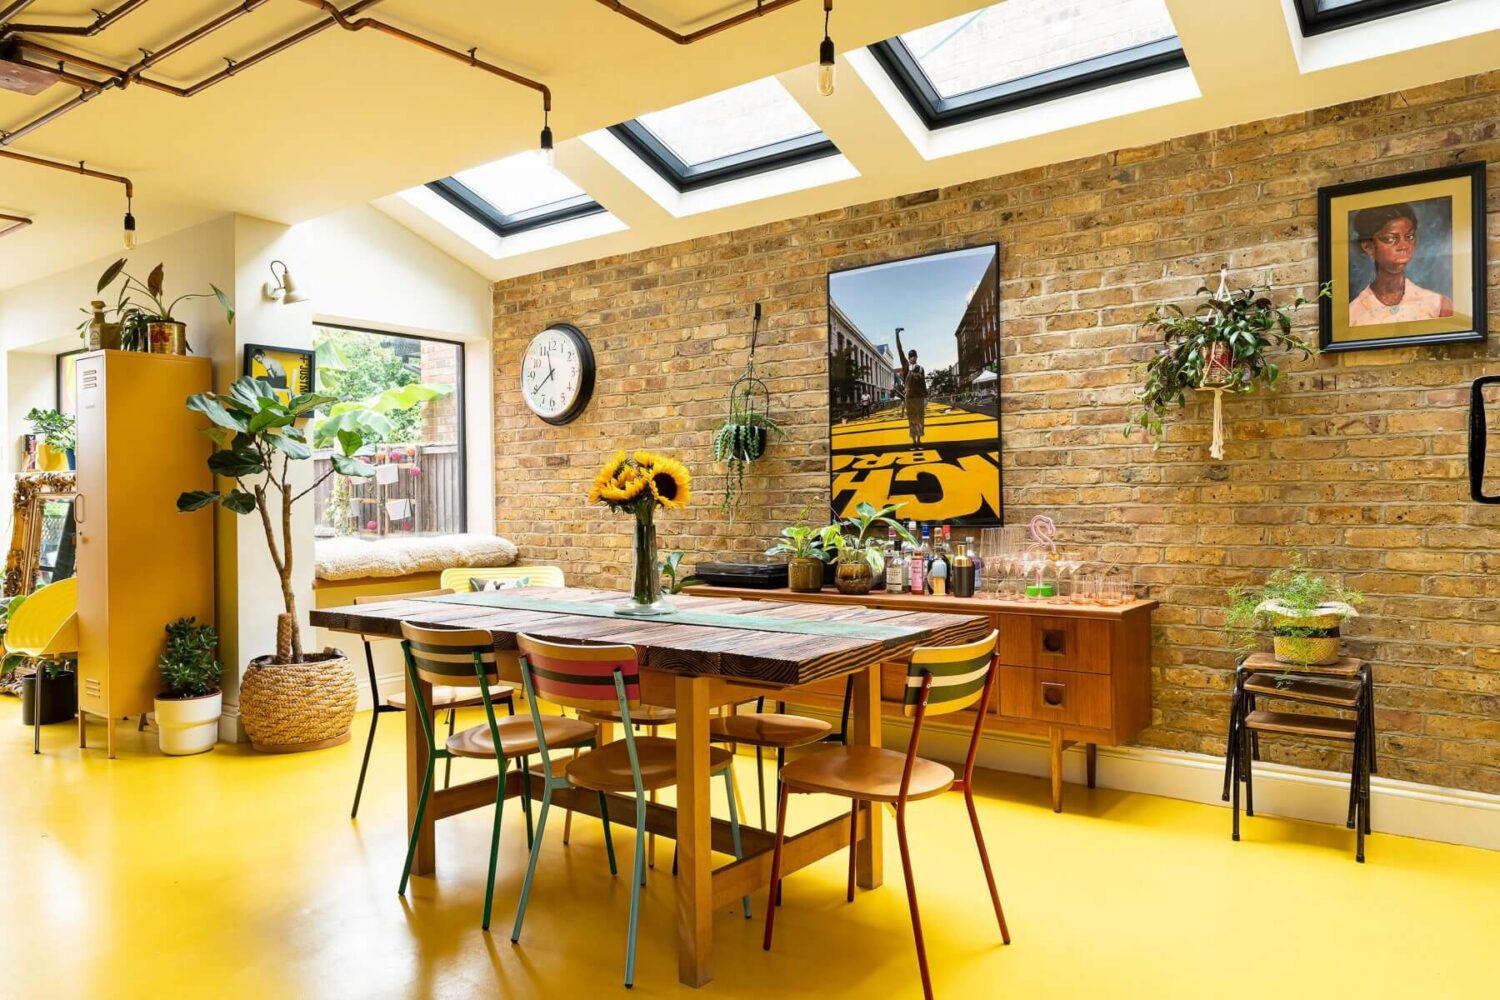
239	875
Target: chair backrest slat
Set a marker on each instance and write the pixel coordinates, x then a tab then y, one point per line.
958	675
581	677
446	656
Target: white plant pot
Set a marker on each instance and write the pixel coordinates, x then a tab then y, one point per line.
188	725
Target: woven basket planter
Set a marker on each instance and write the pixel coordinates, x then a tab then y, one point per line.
1292	644
291	707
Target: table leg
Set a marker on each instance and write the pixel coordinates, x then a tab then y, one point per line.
425	861
864	723
1091	758
1057	768
695	965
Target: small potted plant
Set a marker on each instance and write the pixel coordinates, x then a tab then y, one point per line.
801	544
55	439
188	710
1302	611
1222	346
858	556
154	320
866	517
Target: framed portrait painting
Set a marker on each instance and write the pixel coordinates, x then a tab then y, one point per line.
914	387
290	371
1405	257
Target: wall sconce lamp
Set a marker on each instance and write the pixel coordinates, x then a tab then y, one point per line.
283	289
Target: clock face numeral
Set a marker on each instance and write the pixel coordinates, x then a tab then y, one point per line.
557	374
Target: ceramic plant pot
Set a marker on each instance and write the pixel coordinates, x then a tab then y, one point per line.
59	698
188	725
853	577
291	707
805	575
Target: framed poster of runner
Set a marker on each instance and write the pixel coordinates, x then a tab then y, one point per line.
914	386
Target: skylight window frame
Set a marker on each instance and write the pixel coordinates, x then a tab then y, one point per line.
683	176
936	111
1315	21
466	200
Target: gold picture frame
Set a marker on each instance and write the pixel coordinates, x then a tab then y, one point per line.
28	517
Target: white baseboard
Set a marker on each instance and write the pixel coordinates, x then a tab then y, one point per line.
231	730
1405	808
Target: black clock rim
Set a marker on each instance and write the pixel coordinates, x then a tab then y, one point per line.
585	380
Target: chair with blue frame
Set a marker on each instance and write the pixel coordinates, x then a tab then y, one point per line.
601	679
467	658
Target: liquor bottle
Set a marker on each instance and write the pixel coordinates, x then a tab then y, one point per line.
978	562
963	571
893	567
916	572
938	574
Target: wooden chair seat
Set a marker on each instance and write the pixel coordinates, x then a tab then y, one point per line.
607	769
1348	666
456	697
866	773
1302	725
518	736
768	729
1342	694
642	715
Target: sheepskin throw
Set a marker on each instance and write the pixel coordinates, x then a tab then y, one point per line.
356	558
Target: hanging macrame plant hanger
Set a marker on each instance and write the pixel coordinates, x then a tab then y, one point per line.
1219	375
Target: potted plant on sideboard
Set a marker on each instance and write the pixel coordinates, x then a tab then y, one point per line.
188	710
858	556
291	700
154	321
1302	610
801	544
55	438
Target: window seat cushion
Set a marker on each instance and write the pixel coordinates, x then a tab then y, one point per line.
358	558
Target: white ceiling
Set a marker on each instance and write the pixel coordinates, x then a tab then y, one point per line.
347	118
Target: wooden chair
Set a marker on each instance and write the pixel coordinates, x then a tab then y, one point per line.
597	679
450	698
466	658
45	627
939	680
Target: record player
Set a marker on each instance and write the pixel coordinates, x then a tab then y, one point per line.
744	570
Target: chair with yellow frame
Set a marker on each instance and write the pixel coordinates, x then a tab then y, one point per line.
45	627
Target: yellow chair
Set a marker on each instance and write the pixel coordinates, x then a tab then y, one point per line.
457	579
45	626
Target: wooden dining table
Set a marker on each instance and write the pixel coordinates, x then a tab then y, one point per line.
708	653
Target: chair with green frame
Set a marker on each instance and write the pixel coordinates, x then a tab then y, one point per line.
467	658
939	680
598	679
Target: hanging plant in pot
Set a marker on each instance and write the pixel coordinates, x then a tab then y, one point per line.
1301	610
1222	346
188	709
291	700
744	436
152	325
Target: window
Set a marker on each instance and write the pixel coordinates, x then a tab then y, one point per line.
1318	16
415	386
516	194
1024	52
735	133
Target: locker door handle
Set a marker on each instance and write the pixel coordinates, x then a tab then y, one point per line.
77	509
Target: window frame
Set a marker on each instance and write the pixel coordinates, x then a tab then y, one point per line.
460	393
937	111
462	197
657	155
1315	21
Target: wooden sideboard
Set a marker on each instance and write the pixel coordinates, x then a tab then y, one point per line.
1071	673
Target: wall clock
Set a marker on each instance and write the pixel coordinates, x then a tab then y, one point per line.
557	373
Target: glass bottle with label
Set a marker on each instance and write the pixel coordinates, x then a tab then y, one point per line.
938	574
916	573
895	565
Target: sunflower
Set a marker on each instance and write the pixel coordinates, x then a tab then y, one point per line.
643	478
671	484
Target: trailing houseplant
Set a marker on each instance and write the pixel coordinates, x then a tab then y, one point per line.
188	709
289	700
1302	610
802	545
1223	345
742	438
151	324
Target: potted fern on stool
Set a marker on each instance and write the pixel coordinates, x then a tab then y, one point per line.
187	712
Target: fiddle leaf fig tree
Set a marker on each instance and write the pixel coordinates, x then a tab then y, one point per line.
256	436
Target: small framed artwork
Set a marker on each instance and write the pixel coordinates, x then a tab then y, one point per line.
1405	257
287	369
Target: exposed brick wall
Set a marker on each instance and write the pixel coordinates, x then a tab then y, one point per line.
440	416
1357	460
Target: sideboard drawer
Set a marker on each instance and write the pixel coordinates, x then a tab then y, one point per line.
1055	643
1058	696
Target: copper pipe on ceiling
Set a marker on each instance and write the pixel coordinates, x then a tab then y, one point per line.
762	8
12	9
70	168
468	58
84	96
16	222
101	21
60	72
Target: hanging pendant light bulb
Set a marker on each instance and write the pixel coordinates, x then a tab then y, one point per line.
826	55
130	237
548	153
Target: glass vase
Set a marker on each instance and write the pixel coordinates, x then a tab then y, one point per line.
646	597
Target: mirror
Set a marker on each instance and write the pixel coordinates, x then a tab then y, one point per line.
43	532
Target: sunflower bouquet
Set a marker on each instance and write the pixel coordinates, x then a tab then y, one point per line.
638	484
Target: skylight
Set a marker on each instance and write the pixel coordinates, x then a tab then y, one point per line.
737	132
515	194
1318	16
1023	52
